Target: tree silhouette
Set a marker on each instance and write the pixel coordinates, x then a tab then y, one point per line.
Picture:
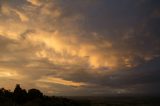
34	97
5	95
19	94
34	93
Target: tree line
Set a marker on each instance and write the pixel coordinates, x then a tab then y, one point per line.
34	97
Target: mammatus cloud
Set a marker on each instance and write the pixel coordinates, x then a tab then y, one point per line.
78	47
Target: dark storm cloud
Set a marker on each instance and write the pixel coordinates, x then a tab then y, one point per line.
132	27
143	79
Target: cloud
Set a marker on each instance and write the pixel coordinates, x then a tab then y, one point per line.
4	73
61	81
94	46
35	2
21	16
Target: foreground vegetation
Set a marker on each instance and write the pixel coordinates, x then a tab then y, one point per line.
34	97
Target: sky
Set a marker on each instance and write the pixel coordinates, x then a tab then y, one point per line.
81	47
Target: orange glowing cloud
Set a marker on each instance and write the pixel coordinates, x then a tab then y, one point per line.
61	81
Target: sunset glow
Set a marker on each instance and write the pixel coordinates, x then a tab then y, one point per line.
82	46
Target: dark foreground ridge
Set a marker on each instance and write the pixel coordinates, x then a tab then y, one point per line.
34	97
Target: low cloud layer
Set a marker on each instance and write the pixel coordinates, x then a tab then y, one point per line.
79	47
